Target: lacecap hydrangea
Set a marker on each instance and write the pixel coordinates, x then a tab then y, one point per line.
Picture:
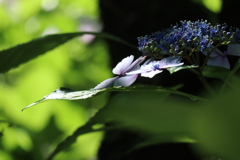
187	38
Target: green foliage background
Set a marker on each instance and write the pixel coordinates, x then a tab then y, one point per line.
77	64
80	64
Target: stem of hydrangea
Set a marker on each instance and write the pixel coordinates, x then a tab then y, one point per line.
194	58
159	90
235	69
205	83
198	58
188	59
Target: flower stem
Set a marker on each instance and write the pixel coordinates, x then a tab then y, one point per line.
235	69
205	83
157	89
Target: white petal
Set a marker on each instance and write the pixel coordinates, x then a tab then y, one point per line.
234	49
106	83
219	61
123	65
151	73
125	81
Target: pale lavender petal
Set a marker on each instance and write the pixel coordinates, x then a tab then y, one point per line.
125	81
151	73
172	65
122	66
144	68
150	69
219	61
137	67
139	71
234	49
170	62
106	83
148	61
135	64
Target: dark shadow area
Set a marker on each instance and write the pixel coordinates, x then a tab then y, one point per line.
131	19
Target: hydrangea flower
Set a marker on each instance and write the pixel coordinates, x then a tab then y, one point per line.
126	65
186	38
218	58
151	68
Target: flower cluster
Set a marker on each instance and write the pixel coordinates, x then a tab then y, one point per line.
187	38
127	71
166	49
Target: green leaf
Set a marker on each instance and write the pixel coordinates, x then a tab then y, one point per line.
68	94
162	138
87	128
216	72
215	125
178	68
22	53
149	113
148	100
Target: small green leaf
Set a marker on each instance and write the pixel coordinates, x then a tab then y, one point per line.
19	54
178	68
216	72
68	94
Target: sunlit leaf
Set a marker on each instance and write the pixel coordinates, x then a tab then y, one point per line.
13	57
87	128
68	94
178	68
147	101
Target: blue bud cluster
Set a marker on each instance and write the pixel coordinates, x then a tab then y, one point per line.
186	38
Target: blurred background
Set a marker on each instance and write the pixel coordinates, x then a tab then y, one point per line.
80	64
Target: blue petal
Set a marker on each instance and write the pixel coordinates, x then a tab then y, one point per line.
234	49
219	61
125	81
106	83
